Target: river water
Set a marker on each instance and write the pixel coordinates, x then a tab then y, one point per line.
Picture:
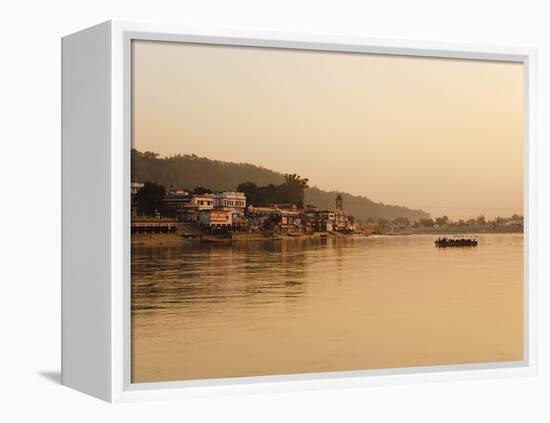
298	306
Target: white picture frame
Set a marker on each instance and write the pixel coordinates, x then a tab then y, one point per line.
96	142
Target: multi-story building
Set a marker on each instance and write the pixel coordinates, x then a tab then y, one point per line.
323	221
230	200
201	202
291	221
235	203
190	212
342	220
174	202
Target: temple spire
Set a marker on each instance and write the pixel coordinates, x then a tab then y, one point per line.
339	203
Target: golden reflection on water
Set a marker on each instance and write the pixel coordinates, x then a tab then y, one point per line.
277	307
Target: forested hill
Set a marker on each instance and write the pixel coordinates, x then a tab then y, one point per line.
190	171
361	207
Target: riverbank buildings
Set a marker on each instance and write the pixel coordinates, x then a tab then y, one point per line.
229	211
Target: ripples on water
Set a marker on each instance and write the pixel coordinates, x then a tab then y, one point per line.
295	306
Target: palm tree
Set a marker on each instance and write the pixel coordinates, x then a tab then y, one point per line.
293	179
296	186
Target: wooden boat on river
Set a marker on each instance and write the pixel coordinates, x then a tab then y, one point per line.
455	242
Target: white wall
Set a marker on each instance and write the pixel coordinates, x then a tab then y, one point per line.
30	236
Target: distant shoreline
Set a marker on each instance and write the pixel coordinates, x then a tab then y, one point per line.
171	239
186	233
475	229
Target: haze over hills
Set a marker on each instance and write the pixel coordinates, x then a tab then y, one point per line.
191	171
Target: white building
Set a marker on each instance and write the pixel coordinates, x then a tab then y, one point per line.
230	200
201	202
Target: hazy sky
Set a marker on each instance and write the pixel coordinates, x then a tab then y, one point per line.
442	135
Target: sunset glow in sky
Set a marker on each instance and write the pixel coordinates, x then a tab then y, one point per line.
441	135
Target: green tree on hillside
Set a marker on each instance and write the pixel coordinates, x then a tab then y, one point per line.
190	170
291	191
402	221
250	190
441	221
428	223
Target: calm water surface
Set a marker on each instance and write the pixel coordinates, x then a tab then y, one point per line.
277	307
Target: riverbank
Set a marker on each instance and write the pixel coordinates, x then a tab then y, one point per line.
252	236
238	237
157	239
